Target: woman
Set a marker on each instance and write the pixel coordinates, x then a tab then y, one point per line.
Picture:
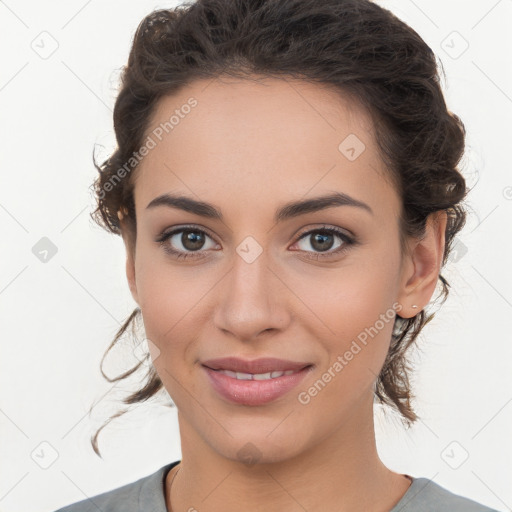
286	186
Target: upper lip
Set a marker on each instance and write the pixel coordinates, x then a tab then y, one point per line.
263	365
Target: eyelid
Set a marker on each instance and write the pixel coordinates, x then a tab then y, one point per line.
176	229
327	227
347	241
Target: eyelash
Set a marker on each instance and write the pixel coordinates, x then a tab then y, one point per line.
164	236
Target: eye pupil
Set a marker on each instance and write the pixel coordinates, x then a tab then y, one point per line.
192	240
320	239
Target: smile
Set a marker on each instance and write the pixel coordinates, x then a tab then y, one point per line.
256	376
243	388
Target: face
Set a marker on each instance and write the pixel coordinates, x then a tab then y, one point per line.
251	277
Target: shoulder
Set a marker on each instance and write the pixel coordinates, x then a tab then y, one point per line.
147	493
425	495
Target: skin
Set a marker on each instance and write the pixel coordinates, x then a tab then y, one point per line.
248	147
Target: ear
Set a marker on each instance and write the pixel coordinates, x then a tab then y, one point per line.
130	274
130	257
422	265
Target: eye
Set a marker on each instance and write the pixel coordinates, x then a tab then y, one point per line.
323	240
191	242
185	242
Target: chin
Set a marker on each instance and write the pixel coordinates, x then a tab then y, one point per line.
256	446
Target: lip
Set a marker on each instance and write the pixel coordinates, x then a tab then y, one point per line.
254	392
262	365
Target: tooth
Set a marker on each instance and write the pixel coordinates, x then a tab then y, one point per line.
262	376
256	376
244	376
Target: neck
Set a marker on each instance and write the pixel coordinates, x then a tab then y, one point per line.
342	473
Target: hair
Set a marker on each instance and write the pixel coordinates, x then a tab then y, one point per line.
355	46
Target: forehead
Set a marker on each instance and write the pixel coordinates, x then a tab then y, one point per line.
261	137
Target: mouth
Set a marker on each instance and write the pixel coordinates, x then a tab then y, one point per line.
256	376
254	382
260	366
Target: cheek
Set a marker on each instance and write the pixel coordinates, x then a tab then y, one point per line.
358	313
171	302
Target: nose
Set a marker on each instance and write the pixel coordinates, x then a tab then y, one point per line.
251	300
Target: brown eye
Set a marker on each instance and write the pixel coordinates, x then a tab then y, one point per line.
192	240
320	241
184	242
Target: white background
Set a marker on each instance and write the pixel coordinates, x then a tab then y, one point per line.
58	317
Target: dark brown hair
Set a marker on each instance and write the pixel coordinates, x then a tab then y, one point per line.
356	46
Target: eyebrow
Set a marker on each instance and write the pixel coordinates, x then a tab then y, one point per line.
288	211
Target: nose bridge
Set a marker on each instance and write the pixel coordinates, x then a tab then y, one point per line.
251	299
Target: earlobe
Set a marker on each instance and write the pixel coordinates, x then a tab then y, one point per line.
424	265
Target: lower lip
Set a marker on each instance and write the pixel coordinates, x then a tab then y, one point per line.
254	392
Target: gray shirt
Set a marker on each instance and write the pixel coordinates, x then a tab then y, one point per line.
147	495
